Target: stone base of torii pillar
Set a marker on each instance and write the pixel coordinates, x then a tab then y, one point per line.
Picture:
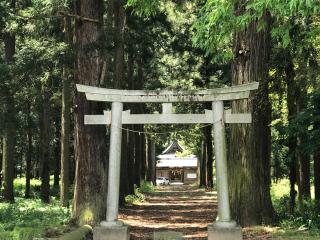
224	231
111	233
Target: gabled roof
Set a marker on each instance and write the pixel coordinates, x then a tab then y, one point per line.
173	148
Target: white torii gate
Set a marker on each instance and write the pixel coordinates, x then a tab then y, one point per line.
223	228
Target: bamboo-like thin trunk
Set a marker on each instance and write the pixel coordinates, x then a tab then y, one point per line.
29	151
45	144
203	164
208	140
65	124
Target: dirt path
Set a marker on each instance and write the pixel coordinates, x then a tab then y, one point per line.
182	209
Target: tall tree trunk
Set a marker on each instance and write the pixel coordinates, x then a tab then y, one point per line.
123	168
292	140
317	176
120	19
143	154
57	154
119	83
9	135
65	122
316	166
90	145
1	158
131	137
131	162
151	173
249	159
208	140
138	157
29	151
141	137
303	156
203	164
45	144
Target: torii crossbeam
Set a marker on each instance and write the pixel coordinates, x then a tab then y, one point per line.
218	116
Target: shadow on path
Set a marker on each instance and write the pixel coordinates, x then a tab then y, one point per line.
184	209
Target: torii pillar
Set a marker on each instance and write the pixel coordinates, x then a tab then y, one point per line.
223	228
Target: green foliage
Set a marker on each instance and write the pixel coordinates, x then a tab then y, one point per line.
139	193
20	187
218	21
137	198
146	187
305	218
306	124
26	219
144	7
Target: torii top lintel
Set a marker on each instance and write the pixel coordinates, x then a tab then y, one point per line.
163	96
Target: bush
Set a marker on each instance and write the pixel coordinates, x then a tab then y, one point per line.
146	187
138	197
305	217
139	193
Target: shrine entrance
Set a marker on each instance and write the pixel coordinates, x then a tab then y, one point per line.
176	175
223	228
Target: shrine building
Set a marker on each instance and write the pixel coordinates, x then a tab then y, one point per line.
178	169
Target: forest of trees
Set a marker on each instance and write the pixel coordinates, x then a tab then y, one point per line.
48	46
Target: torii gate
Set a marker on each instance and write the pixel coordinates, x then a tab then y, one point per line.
223	228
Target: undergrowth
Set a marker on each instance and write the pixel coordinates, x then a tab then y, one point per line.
304	221
139	193
29	218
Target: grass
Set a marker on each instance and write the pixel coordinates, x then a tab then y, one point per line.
29	218
282	188
301	225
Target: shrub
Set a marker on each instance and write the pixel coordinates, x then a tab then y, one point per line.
146	187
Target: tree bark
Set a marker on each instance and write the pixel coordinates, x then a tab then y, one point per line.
119	83
292	140
45	144
124	168
316	166
120	20
151	173
138	157
131	162
131	137
143	154
209	155
90	145
249	159
203	164
57	152
9	135
302	155
317	176
1	158
29	152
65	123
141	137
